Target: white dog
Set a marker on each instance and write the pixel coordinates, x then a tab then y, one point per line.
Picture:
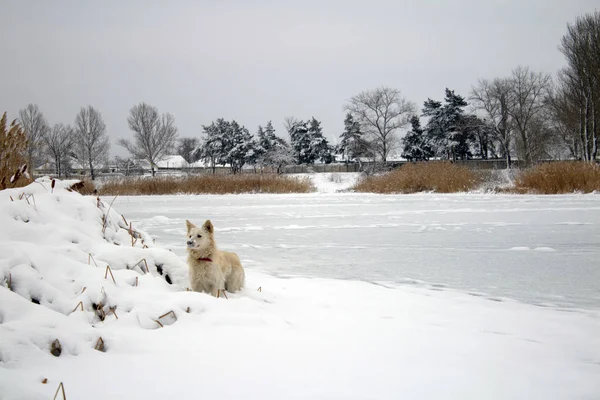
211	270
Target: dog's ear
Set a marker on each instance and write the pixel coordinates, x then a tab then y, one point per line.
208	226
189	225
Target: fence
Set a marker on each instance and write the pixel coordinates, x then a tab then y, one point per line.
495	164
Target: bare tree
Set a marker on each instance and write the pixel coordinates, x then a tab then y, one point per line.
127	166
187	149
492	98
381	112
36	127
91	141
527	102
289	123
581	79
59	144
154	135
565	116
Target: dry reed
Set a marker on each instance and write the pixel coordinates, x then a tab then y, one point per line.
441	177
207	184
559	177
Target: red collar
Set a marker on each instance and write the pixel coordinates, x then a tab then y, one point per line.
204	259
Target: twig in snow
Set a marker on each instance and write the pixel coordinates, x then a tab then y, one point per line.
108	270
80	304
60	387
145	263
99	344
91	257
167	313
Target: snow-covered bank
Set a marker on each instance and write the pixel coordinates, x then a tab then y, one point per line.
279	337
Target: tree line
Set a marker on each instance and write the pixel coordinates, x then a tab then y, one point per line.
526	114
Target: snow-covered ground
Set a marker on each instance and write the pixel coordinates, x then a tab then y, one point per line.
331	182
361	296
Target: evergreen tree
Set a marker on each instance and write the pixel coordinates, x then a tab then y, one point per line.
459	138
352	145
276	153
212	146
238	145
446	127
319	146
301	141
416	143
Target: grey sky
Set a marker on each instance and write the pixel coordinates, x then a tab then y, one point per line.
262	60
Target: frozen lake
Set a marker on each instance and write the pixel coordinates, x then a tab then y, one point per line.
543	250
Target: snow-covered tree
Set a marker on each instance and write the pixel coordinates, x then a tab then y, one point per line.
238	144
274	151
416	143
319	146
212	145
445	128
308	143
301	140
352	145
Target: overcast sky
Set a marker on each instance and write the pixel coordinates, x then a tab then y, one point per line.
255	61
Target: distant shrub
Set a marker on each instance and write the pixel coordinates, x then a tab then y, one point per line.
13	166
441	177
207	184
559	177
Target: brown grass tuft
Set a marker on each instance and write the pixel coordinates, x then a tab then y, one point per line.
441	177
559	177
207	184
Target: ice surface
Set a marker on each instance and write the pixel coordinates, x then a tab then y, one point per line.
543	250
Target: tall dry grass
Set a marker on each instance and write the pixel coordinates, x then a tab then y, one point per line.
13	166
206	184
559	177
441	177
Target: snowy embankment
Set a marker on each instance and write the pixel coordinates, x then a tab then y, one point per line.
278	338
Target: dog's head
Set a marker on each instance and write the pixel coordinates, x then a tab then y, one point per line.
199	238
